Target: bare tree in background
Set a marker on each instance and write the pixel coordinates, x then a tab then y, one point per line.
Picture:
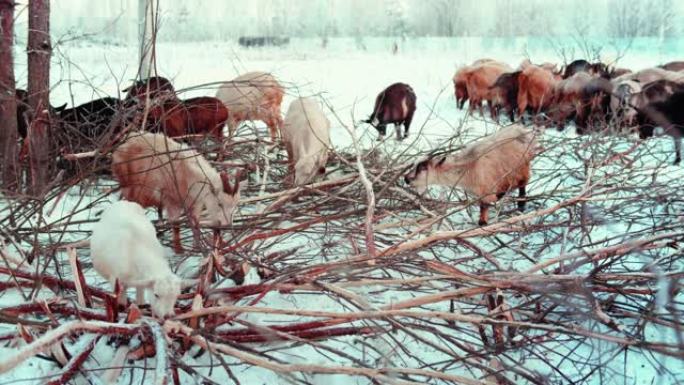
658	18
625	18
449	17
506	21
39	51
147	11
8	103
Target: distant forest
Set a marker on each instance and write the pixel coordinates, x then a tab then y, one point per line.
193	20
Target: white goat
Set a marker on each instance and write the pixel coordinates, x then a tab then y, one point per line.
156	171
487	168
124	247
306	134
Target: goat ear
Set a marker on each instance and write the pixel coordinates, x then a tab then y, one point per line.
225	180
238	176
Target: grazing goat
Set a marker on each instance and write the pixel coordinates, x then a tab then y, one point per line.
650	75
567	102
506	87
535	89
667	114
124	248
581	65
621	100
460	80
460	86
155	86
306	134
482	61
487	168
253	96
480	82
202	115
629	96
396	104
88	126
618	72
676	66
154	170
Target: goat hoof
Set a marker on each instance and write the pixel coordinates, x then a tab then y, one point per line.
482	222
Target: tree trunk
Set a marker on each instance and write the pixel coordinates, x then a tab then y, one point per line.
39	51
8	102
147	34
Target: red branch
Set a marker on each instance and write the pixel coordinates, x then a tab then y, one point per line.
34	308
54	282
74	365
315	334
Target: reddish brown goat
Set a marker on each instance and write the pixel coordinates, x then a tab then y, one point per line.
195	116
156	86
535	89
480	83
567	101
460	87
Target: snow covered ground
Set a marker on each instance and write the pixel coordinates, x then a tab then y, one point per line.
348	78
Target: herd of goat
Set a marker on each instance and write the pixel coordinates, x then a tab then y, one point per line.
594	96
156	167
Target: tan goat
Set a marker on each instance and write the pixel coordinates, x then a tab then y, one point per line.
156	171
253	96
487	168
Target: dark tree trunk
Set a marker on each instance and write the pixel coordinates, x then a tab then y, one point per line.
8	103
39	51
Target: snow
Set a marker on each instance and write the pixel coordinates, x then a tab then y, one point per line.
348	80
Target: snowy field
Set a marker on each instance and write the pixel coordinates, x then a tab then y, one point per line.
585	199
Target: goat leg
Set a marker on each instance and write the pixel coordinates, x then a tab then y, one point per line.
177	247
120	291
484	213
677	145
522	194
140	295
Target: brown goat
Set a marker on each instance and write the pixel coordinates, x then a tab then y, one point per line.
506	87
567	101
535	89
480	84
460	86
202	115
155	86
